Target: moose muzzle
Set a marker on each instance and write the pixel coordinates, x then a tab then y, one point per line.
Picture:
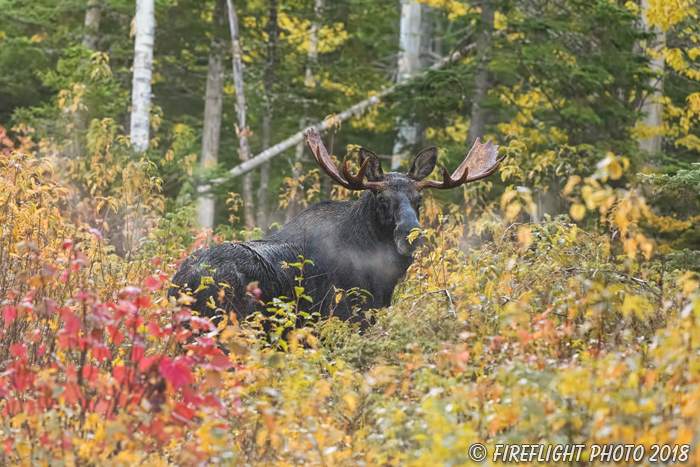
406	222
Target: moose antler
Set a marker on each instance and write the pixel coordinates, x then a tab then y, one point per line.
481	162
351	182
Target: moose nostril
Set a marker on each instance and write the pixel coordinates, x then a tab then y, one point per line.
407	235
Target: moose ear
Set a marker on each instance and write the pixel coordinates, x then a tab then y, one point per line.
374	171
424	164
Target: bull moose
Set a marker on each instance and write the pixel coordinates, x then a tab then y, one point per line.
359	245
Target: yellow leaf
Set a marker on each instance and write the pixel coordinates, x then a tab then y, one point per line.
577	211
351	401
524	237
573	181
500	21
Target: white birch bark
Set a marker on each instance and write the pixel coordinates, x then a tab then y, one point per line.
143	62
653	108
213	103
409	64
242	130
92	25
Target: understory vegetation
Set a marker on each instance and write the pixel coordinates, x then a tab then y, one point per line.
544	334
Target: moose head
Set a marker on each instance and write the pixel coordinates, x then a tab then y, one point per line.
398	196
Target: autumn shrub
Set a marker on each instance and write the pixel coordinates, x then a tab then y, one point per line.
541	332
95	369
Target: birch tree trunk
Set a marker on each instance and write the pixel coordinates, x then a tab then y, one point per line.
477	125
409	64
653	108
141	87
269	82
213	103
295	206
242	130
92	25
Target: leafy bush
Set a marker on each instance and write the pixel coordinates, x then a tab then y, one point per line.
543	335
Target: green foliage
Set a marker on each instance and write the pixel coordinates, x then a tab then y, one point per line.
684	182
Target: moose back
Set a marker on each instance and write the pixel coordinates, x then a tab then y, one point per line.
358	249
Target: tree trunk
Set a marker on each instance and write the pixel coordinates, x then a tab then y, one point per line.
213	103
92	25
269	83
477	124
242	130
409	64
653	108
141	87
356	109
295	205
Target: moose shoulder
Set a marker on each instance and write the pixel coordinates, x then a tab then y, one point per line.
360	245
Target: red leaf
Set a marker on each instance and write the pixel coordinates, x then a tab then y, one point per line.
71	393
44	439
66	340
137	353
143	302
64	275
71	374
22	378
8	445
218	363
146	362
191	397
81	296
101	353
102	406
182	334
155	330
67	442
73	324
115	334
123	374
18	350
153	283
13	406
183	411
9	313
176	371
201	323
130	292
90	373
